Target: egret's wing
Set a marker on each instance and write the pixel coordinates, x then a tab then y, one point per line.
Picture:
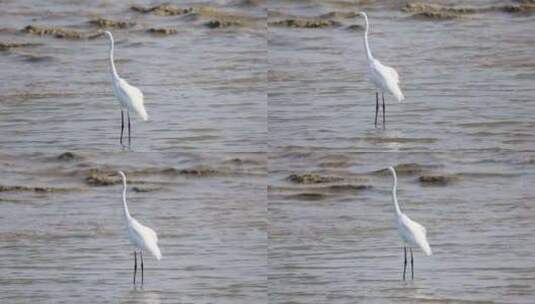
388	73
419	234
388	77
149	237
151	233
152	243
135	97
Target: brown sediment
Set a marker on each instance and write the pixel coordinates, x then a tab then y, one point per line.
216	13
406	169
311	178
162	31
34	57
98	177
143	189
336	15
214	17
348	187
422	7
324	189
222	23
437	15
162	10
32	189
217	18
243	161
68	156
59	32
306	23
307	196
320	192
107	23
248	2
437	11
355	27
5	46
200	171
438	180
523	7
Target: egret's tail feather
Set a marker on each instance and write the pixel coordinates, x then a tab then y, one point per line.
155	250
143	114
398	94
426	248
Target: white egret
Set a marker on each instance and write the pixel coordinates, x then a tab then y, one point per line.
411	233
385	78
141	237
130	97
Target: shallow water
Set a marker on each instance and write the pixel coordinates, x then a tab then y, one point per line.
340	244
72	244
468	83
194	82
239	116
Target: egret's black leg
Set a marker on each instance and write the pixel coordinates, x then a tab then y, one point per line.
122	126
376	107
412	265
135	267
405	263
141	254
383	94
129	137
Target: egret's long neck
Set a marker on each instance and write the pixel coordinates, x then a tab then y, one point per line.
366	44
394	196
125	206
112	64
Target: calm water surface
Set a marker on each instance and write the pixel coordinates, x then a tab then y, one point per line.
70	244
205	89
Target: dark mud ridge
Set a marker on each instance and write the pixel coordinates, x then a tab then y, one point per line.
162	10
97	177
317	192
427	10
32	189
306	196
438	180
407	169
162	31
243	161
143	189
305	23
58	32
69	156
6	46
107	23
222	23
311	178
200	171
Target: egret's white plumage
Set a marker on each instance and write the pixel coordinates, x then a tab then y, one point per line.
130	97
140	236
412	233
385	78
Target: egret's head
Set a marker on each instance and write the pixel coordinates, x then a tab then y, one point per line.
121	173
391	169
363	14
